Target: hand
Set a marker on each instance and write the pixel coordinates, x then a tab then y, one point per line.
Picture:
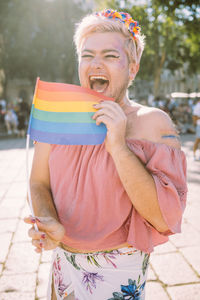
50	232
112	115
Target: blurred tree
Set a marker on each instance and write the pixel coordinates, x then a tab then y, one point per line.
37	39
171	30
3	8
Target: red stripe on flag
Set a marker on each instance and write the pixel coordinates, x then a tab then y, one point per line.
65	87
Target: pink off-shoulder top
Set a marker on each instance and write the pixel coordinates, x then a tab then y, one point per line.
94	207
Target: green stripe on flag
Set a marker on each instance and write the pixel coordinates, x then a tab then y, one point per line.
63	117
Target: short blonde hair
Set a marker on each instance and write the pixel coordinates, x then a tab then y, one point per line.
95	23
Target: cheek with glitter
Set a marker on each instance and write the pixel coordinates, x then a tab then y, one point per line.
123	63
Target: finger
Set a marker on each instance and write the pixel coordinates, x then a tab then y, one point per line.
108	104
38	250
104	111
36	234
40	222
39	244
51	226
29	220
103	119
46	228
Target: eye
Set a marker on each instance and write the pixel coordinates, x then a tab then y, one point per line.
86	56
111	56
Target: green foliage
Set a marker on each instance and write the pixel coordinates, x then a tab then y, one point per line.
37	39
172	38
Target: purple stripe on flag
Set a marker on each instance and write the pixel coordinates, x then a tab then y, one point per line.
67	139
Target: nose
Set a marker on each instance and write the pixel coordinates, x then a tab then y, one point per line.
97	62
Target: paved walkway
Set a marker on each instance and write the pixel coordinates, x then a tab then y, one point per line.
175	267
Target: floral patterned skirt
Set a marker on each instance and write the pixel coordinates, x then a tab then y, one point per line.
109	275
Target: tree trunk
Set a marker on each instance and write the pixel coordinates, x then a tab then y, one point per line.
158	74
2	84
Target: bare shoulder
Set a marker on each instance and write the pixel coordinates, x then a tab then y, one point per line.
154	115
158	126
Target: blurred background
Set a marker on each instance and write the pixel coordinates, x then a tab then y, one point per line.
36	39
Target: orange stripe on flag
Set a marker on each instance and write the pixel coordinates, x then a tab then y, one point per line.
65	87
66	96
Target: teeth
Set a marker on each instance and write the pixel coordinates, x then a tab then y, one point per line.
98	77
100	91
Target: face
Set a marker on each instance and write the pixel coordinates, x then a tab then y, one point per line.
103	64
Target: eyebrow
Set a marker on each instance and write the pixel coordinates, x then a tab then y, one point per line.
103	51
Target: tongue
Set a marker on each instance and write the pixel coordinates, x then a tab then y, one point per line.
99	86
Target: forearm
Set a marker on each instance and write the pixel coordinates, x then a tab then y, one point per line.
140	186
42	201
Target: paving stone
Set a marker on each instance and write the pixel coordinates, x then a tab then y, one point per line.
46	256
25	211
192	254
18	283
5	239
9	212
164	248
8	225
155	291
192	210
21	234
16	296
4	188
151	275
172	269
21	259
185	292
9	202
17	190
189	236
195	222
43	279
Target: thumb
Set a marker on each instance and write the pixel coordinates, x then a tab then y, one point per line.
46	223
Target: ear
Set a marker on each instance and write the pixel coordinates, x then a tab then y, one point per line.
133	69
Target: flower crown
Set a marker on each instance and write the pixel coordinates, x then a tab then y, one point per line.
132	26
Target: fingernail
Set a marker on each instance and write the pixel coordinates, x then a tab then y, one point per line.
33	221
43	236
41	245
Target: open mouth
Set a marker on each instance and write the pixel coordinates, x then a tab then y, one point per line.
98	83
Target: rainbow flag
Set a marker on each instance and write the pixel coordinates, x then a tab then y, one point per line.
62	114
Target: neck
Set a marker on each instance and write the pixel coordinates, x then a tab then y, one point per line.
123	101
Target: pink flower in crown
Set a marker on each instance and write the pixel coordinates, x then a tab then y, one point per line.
131	25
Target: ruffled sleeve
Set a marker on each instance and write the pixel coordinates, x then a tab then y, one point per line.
167	166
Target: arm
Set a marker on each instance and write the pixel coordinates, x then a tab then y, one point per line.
136	179
50	230
139	184
40	183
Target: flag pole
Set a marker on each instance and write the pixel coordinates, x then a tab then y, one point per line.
27	156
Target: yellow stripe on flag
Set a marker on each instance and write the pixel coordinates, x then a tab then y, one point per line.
67	106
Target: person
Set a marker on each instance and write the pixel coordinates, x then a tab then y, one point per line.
11	120
196	121
2	110
103	208
23	111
